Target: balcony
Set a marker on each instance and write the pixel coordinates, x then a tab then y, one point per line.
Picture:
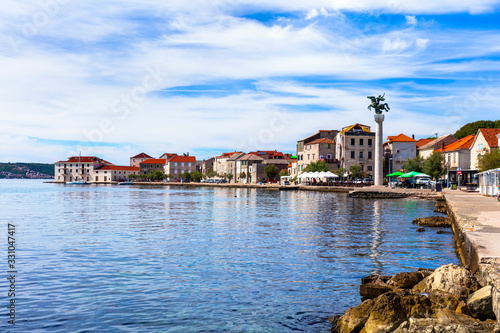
330	160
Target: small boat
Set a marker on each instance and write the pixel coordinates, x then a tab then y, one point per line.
126	183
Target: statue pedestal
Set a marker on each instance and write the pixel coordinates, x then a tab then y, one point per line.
378	176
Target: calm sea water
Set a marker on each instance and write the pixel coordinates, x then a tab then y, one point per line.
151	259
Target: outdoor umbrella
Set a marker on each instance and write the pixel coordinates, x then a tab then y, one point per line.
305	175
423	175
395	174
328	174
411	174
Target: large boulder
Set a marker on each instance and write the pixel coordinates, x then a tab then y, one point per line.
480	304
354	319
451	279
441	207
406	279
391	309
373	289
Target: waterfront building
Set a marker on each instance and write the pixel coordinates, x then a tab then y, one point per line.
114	173
168	155
177	165
355	145
397	150
485	140
78	168
320	145
256	170
426	150
207	165
152	164
292	169
457	157
220	162
489	182
137	159
244	166
232	167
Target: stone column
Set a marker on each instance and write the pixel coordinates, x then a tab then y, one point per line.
379	169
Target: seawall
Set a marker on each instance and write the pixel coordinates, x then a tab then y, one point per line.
476	225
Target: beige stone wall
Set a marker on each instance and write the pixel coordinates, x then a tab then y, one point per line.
480	146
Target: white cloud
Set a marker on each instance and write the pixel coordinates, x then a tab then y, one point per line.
411	20
65	80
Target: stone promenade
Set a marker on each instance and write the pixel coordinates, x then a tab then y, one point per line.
477	232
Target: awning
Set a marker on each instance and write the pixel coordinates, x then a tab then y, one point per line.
395	174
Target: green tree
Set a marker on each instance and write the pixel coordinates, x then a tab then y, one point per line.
434	166
132	176
316	166
158	175
284	172
489	160
211	173
471	128
340	172
271	171
196	176
186	175
229	176
243	175
414	164
355	170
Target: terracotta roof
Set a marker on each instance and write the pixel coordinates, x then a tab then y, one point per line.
490	136
250	157
154	161
228	154
401	138
422	142
85	159
142	155
436	143
464	143
119	167
318	141
182	159
291	164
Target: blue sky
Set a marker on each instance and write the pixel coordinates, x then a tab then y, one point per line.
117	78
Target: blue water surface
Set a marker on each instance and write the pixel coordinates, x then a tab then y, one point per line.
182	259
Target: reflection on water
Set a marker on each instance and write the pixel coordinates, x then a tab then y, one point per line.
113	258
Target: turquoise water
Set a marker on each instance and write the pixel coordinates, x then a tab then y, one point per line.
159	259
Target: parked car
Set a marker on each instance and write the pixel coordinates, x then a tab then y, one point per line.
221	181
423	181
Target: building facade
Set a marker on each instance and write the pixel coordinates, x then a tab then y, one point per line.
355	145
425	151
78	168
114	173
320	145
177	165
457	157
152	164
397	150
485	140
137	159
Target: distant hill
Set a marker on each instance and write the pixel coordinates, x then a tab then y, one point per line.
471	128
26	170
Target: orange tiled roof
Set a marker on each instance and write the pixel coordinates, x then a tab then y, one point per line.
119	167
318	141
154	161
142	155
85	159
228	154
422	142
490	135
463	143
401	138
182	159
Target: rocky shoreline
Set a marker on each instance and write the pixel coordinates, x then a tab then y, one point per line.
448	299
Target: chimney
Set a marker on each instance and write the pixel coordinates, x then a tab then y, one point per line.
413	136
442	145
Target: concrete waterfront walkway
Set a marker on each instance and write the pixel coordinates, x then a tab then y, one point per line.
476	224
